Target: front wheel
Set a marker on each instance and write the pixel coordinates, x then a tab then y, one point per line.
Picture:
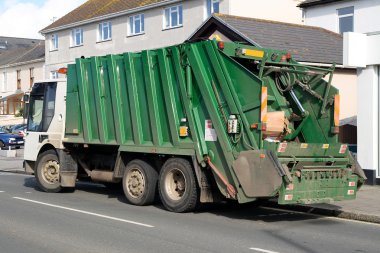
47	171
178	186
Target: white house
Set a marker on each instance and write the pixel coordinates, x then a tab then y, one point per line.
101	27
360	23
21	62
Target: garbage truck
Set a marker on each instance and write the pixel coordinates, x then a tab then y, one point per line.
193	123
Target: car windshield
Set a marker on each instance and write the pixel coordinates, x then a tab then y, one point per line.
3	130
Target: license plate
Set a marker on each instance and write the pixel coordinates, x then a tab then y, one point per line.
20	142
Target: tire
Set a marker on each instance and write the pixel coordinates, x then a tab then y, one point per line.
2	145
47	172
178	188
140	183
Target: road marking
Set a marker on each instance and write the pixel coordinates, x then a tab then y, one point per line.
85	212
263	250
1	191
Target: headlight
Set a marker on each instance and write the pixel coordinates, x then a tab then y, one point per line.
12	139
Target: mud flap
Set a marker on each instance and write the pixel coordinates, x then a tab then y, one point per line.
259	173
357	169
68	169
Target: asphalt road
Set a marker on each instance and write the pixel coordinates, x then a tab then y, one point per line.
95	219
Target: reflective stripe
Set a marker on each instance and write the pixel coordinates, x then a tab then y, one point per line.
264	104
336	110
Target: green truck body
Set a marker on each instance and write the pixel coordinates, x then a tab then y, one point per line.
252	122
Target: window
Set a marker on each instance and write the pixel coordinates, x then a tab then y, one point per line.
54	42
41	107
136	24
77	37
212	7
4	83
346	19
53	75
31	76
173	16
105	31
19	79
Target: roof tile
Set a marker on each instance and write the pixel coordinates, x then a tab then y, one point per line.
306	43
17	50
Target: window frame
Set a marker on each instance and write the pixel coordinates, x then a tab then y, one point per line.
104	25
179	10
4	83
340	16
210	7
45	93
18	76
54	74
74	32
31	76
132	23
54	42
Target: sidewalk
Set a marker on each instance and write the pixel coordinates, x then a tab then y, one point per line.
366	207
13	164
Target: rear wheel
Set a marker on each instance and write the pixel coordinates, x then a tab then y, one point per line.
2	145
139	183
47	172
177	186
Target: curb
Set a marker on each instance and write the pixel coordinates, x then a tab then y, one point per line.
349	215
16	171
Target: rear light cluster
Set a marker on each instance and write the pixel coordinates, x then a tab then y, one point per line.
282	147
343	148
221	45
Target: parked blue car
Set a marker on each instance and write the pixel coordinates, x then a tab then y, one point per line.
10	140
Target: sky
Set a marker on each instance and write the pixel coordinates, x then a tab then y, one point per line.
25	18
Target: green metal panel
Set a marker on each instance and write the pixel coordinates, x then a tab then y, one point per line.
136	101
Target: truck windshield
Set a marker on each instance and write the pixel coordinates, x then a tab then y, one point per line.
41	107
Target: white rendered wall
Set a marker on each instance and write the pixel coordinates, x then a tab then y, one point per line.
366	15
363	51
194	14
368	111
277	10
346	81
11	71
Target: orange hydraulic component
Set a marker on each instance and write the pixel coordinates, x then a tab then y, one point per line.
336	110
230	189
264	104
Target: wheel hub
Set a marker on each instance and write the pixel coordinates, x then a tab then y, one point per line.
175	184
50	172
135	183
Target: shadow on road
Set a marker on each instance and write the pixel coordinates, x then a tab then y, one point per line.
261	211
255	212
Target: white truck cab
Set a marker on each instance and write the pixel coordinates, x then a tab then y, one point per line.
45	122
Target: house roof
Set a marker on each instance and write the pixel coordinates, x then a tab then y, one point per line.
18	50
305	43
309	3
99	8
